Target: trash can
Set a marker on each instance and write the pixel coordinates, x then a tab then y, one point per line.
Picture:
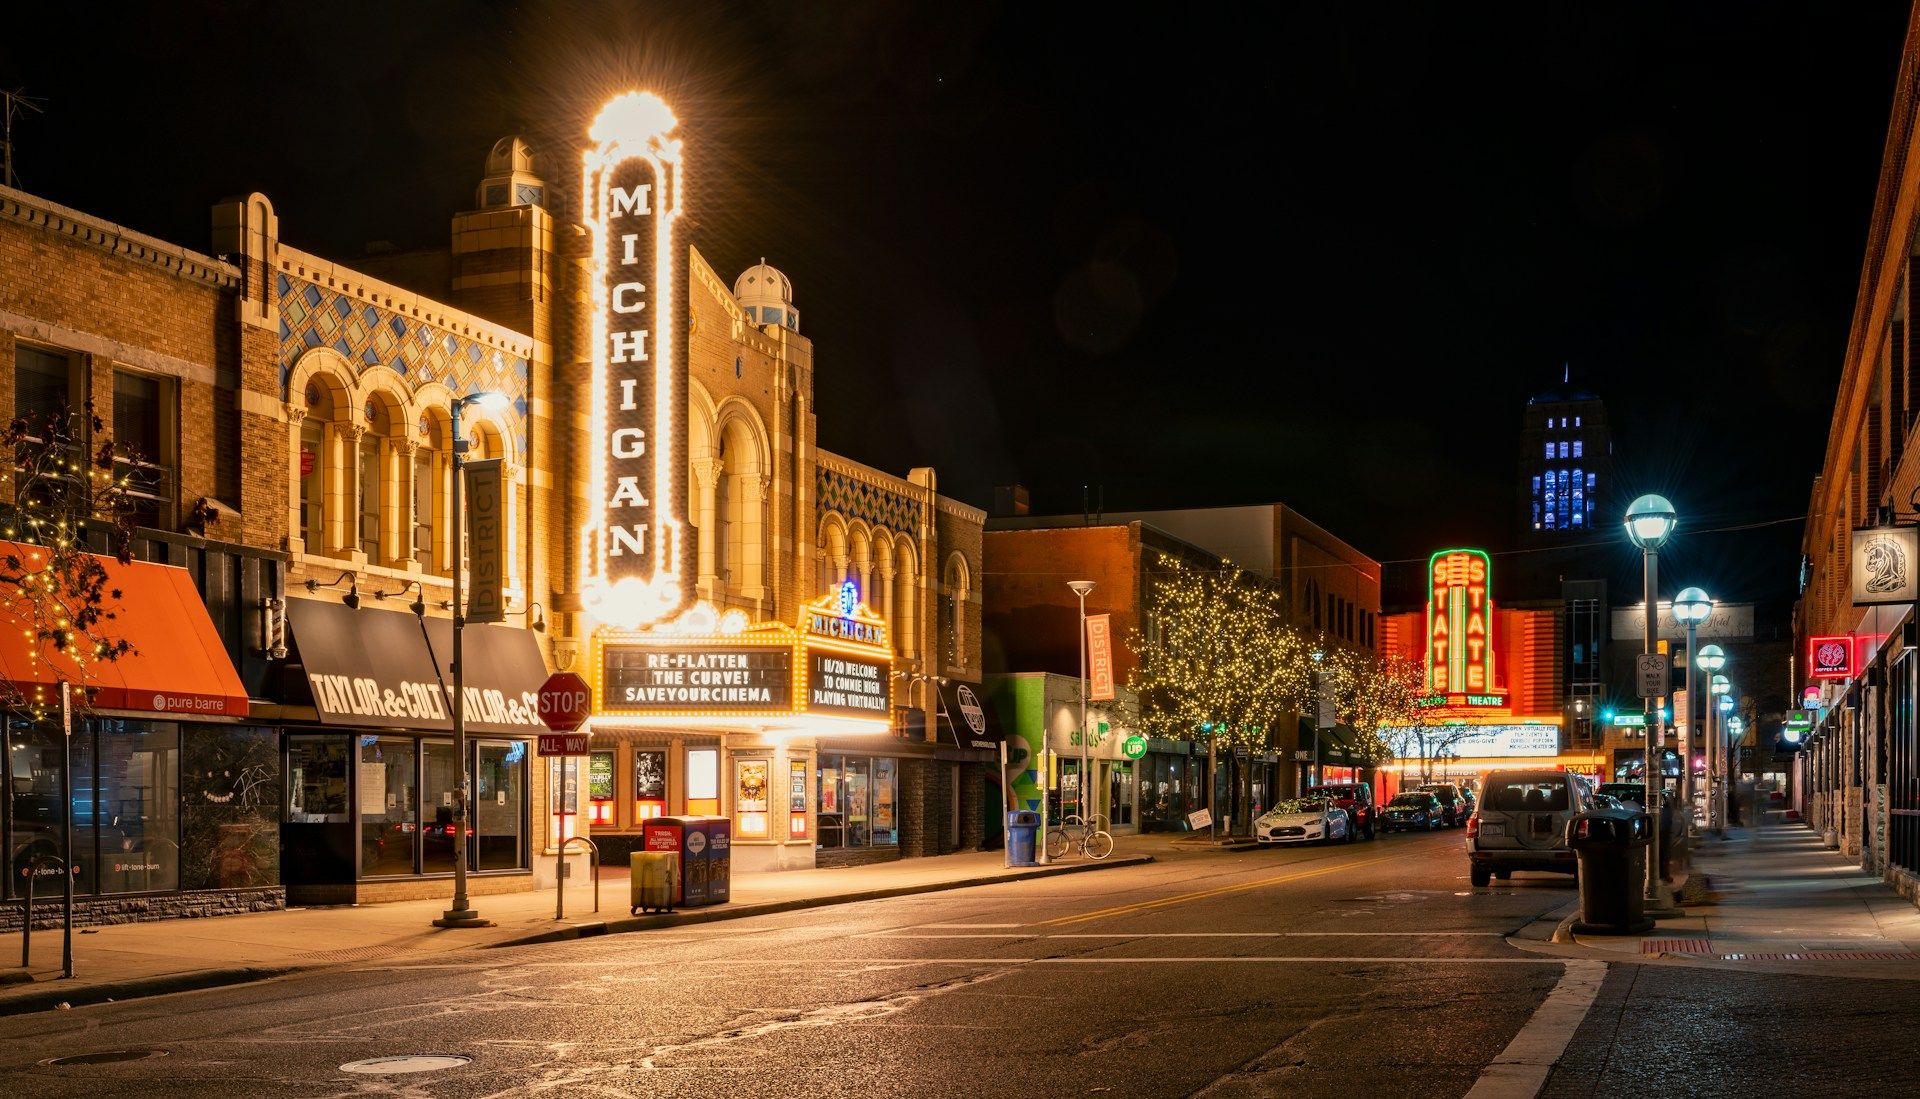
1611	845
1023	825
655	881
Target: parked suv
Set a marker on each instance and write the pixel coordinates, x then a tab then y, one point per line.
1457	803
1521	823
1356	798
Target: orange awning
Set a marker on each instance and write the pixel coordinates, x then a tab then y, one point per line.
178	664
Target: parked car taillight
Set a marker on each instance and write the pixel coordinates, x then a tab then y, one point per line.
1473	826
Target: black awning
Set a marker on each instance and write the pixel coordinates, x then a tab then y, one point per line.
372	669
965	717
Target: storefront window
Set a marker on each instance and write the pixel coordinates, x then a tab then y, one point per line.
649	784
752	812
389	815
1120	794
563	795
439	785
139	806
859	797
33	804
797	799
317	780
703	781
600	796
499	793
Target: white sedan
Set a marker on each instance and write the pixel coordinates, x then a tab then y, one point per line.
1303	822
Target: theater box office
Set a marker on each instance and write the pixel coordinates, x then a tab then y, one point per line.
371	768
173	795
781	728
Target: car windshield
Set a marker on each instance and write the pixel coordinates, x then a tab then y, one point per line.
1292	806
1411	801
1544	794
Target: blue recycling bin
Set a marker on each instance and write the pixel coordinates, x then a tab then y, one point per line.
1023	827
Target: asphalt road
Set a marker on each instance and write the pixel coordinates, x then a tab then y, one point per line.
1369	969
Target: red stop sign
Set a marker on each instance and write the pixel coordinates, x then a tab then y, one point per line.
565	702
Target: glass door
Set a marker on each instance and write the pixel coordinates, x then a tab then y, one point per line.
439	786
500	808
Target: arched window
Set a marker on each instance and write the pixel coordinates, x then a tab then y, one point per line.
906	587
832	561
432	495
323	467
379	480
955	584
739	544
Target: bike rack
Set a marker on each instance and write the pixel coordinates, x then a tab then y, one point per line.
30	871
593	868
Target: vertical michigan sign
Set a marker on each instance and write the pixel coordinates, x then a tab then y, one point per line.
636	542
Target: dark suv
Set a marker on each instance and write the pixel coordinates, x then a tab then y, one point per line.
1457	802
1356	798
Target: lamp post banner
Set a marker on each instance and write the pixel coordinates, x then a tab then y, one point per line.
1886	565
486	540
1100	657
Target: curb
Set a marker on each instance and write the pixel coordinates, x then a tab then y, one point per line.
57	992
596	928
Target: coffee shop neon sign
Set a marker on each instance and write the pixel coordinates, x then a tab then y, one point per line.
636	544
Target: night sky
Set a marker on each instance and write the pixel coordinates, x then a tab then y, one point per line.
1178	252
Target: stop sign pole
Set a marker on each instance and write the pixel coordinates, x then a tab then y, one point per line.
566	700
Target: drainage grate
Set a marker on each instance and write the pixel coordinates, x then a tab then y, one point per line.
1826	956
1675	946
106	1057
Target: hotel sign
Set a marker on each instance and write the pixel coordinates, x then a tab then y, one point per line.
1460	627
637	544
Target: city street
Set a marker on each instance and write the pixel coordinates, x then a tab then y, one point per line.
1371	968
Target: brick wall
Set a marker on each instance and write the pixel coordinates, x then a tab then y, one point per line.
114	910
1032	621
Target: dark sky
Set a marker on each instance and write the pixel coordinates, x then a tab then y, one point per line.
1191	256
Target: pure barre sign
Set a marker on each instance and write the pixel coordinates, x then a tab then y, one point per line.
637	542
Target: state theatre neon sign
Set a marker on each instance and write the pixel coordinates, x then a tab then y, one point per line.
636	544
1460	630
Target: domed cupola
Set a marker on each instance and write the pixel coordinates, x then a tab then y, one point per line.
511	179
767	296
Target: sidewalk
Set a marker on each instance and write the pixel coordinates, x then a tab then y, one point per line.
1777	895
125	961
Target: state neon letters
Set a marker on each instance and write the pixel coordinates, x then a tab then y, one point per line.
1460	623
634	547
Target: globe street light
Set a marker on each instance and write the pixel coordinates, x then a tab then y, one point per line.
1710	660
1650	520
1716	786
460	913
1691	608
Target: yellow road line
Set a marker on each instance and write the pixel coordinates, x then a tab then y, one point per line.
1161	902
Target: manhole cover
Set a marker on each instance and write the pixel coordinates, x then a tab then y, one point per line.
105	1057
406	1062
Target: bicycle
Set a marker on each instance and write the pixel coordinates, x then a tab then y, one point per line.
1094	841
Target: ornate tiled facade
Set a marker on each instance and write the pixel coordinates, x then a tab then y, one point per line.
837	492
369	335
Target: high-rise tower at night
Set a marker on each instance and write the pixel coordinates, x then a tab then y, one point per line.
1566	463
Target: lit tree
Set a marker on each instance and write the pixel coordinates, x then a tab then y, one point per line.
1379	697
63	497
1217	663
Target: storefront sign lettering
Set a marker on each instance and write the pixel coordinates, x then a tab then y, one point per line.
759	679
363	696
839	684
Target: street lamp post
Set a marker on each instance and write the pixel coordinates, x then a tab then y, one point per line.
1710	660
1081	588
1691	608
460	913
1650	520
1716	788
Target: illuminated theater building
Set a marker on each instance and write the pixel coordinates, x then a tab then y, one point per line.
802	666
1494	678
